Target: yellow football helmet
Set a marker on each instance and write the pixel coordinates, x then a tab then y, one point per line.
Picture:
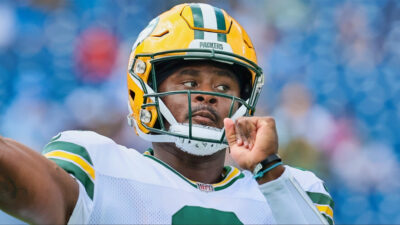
187	32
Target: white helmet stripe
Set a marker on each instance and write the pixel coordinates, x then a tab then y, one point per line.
210	21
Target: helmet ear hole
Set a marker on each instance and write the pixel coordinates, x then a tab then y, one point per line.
132	94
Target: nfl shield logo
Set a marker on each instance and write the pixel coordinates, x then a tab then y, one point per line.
205	187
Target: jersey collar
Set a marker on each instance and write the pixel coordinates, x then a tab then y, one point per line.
230	175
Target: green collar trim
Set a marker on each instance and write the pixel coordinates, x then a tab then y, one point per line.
231	174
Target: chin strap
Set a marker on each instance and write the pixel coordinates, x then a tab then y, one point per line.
194	147
200	148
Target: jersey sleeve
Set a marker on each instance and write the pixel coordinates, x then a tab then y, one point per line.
316	191
301	195
74	151
82	209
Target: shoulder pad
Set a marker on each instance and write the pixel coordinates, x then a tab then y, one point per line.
74	151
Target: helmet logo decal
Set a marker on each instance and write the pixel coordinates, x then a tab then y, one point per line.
208	17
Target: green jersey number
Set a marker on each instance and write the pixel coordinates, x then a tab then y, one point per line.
200	215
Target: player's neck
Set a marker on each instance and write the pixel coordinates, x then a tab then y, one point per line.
204	169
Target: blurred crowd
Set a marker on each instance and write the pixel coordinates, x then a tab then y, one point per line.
331	83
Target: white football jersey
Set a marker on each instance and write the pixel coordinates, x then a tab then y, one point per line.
119	185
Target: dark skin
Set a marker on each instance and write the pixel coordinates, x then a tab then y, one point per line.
36	190
251	139
33	188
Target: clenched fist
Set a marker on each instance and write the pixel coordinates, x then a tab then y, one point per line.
251	140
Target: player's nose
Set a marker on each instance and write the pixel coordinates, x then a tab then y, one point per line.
205	98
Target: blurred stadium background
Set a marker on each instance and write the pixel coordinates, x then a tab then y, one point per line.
331	69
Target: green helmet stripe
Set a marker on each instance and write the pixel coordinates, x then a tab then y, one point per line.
220	23
197	21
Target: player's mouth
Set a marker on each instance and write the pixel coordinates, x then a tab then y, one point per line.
204	117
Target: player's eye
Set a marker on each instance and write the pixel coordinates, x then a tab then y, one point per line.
190	84
222	88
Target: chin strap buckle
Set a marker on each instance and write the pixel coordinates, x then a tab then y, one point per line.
131	120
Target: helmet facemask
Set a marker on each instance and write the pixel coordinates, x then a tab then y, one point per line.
192	138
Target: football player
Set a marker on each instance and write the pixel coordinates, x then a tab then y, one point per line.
193	83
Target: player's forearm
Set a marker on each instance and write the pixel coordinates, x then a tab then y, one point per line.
26	188
10	190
